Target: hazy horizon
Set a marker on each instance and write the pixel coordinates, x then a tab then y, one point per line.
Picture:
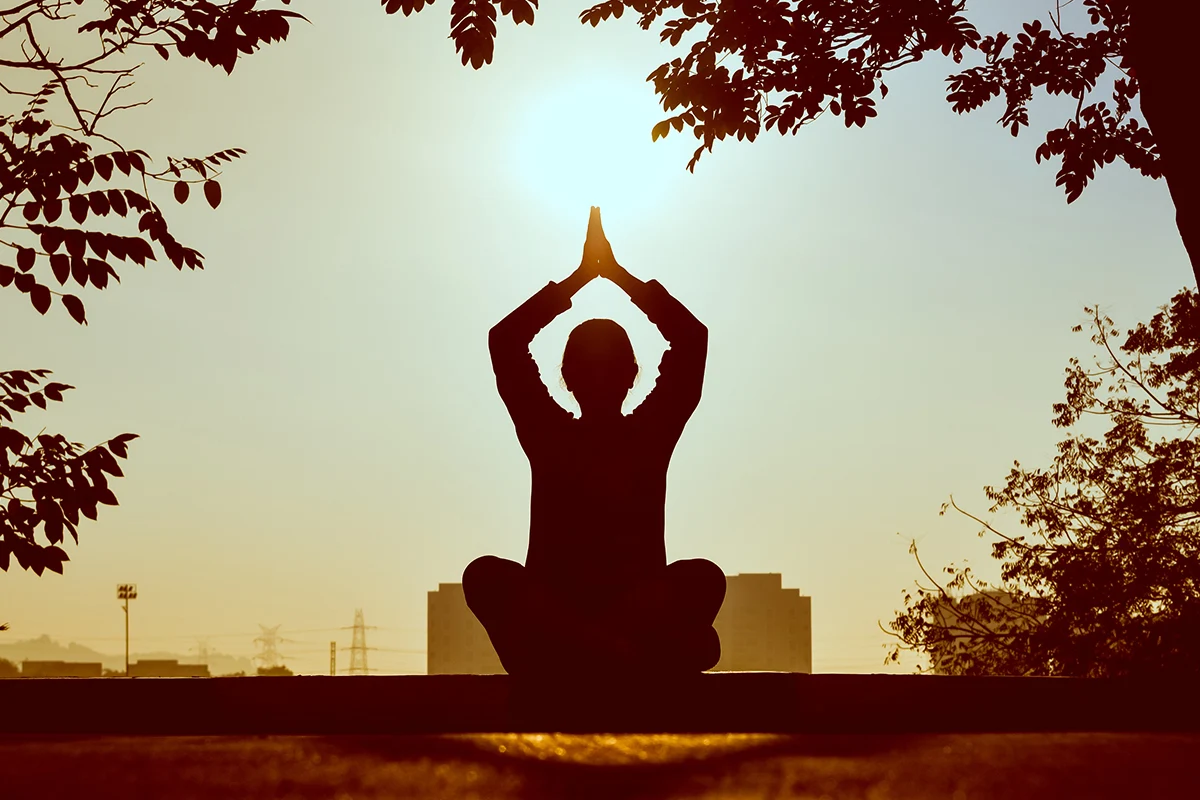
319	425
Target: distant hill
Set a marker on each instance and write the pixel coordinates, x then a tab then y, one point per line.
44	648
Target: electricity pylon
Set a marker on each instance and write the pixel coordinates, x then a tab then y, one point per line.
358	646
202	651
268	641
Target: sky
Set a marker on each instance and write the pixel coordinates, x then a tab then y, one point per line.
889	312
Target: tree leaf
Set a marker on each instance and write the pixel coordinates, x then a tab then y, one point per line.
181	191
54	558
99	203
51	239
116	200
105	461
53	528
75	307
60	264
98	271
76	242
25	258
79	270
40	297
104	166
212	193
79	207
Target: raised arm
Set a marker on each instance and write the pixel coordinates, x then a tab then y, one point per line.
526	397
681	371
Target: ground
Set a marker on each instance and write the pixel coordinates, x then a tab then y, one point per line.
972	766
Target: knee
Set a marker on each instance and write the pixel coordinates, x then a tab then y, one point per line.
702	580
481	569
702	575
485	577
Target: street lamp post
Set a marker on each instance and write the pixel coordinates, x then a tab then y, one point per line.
127	592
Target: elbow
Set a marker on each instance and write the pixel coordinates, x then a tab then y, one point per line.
496	332
497	337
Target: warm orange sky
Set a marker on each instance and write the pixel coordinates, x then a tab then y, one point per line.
889	311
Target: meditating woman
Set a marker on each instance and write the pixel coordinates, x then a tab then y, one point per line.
596	592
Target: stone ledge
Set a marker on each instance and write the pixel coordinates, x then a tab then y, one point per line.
762	702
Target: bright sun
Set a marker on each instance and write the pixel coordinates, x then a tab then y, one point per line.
587	143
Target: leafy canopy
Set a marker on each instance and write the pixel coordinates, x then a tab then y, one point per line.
1105	579
777	65
46	482
77	205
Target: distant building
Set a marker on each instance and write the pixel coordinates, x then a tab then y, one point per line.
167	668
457	642
763	626
60	669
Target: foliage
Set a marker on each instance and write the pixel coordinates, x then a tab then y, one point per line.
8	669
1060	63
65	186
277	671
1106	579
794	60
46	482
70	197
778	65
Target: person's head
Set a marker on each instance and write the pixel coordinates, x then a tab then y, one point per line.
598	365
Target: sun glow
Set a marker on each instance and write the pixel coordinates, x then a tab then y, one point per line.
587	142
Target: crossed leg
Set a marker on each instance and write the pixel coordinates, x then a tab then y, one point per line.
669	618
661	624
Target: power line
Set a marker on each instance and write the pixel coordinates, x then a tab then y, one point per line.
241	635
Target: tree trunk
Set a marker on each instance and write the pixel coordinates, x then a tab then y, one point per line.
1163	36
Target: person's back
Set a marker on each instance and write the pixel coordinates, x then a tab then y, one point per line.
596	538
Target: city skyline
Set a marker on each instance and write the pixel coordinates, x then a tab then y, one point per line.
310	659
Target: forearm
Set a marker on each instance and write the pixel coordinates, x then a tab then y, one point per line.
627	282
576	281
517	329
672	318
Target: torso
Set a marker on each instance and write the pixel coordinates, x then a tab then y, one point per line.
596	511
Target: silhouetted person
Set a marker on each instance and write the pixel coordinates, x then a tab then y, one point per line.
596	592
